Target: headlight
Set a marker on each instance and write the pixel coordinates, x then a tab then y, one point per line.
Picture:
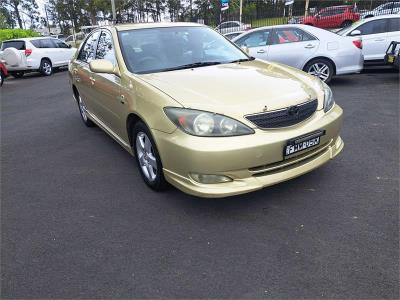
202	123
328	99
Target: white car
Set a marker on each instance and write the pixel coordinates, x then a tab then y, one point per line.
377	33
35	54
384	9
232	26
317	51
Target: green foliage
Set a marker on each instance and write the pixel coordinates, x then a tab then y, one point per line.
7	34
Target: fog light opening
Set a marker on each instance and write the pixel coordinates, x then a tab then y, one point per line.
210	179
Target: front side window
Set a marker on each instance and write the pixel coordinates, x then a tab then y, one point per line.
105	49
88	51
291	35
171	48
373	27
255	39
60	44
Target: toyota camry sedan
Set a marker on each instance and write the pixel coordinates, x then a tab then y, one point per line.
199	113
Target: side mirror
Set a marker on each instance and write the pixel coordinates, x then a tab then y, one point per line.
102	66
355	32
69	46
245	49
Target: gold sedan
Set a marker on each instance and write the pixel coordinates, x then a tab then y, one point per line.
199	113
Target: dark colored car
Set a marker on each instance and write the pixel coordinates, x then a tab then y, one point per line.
3	73
332	17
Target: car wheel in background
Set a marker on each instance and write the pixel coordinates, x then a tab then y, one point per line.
347	24
147	157
45	67
322	68
17	74
83	112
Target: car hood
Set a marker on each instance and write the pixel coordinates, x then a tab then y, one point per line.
237	89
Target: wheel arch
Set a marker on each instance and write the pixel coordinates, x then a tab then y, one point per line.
131	120
75	92
47	58
321	57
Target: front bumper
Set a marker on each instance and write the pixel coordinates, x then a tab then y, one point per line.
252	161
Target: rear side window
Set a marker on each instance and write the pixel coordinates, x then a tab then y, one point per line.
88	51
19	45
394	24
373	27
44	43
291	35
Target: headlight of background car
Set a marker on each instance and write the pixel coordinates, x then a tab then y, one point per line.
202	123
328	99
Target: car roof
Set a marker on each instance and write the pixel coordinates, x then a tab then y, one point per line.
381	17
122	27
30	39
338	6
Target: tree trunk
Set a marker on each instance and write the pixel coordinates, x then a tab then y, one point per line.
16	11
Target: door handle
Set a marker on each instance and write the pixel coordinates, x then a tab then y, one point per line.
309	46
121	99
75	71
77	79
92	80
261	51
379	40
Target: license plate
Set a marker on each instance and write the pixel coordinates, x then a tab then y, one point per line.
390	59
302	143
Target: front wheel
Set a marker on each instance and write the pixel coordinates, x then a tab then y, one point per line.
321	68
45	67
147	157
83	112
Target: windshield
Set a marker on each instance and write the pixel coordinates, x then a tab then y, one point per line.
19	45
171	48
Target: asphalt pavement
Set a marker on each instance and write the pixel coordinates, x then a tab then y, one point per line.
77	221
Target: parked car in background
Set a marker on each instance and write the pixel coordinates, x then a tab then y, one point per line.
392	7
330	17
232	26
147	86
3	73
35	54
75	40
377	33
232	35
61	37
316	51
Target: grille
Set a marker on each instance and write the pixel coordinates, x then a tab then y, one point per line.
284	117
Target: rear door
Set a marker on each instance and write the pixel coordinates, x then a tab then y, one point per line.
65	51
257	42
292	46
375	39
17	44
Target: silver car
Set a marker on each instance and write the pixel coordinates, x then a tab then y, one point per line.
317	51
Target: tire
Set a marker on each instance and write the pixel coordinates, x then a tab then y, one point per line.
17	74
320	67
83	112
46	68
346	24
1	78
147	157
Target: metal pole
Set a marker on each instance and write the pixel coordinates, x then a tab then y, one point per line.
306	9
114	17
241	11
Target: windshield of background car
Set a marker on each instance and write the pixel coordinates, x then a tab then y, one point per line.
19	45
164	49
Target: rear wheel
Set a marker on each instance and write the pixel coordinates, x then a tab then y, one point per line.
321	68
147	157
1	78
347	24
45	67
17	74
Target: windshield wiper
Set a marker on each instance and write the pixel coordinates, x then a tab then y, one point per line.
242	60
194	65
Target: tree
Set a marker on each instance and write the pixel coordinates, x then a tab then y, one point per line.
18	7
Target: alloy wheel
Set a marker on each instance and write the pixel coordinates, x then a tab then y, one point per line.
146	156
82	109
320	70
46	68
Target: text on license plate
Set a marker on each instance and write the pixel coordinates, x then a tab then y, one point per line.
291	149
